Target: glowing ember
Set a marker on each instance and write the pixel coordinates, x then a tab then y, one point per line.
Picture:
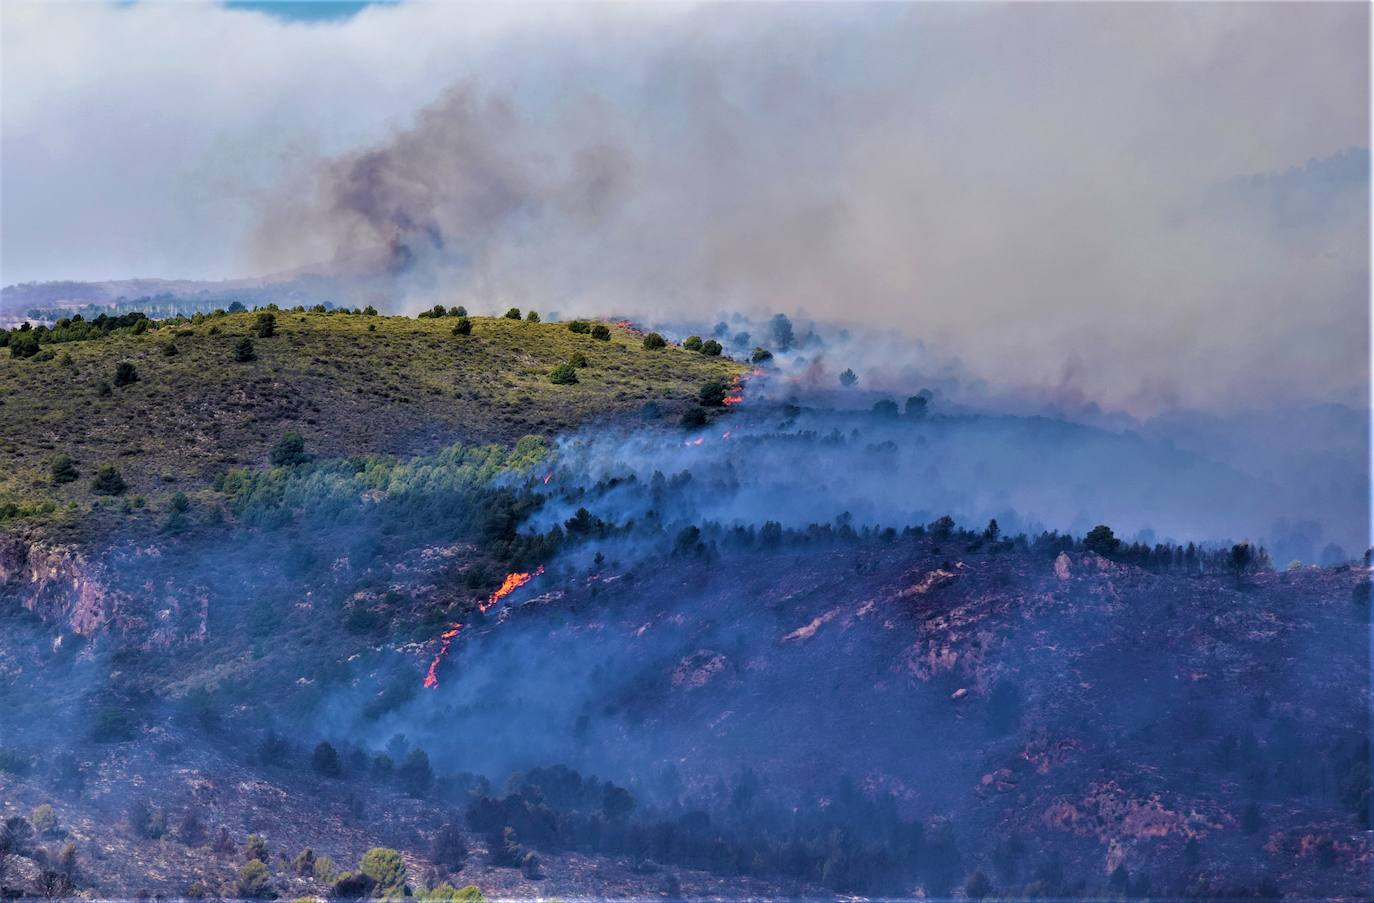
548	476
508	586
725	435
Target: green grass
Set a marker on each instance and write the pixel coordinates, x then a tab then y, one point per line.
350	384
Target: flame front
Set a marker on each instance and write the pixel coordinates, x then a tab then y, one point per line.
508	586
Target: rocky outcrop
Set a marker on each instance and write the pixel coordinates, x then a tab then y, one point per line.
56	582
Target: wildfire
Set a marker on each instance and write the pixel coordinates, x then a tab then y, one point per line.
548	476
508	586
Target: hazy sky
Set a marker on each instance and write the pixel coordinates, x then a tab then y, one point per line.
1146	204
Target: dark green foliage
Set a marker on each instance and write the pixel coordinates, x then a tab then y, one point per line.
711	348
254	882
601	331
885	408
692	343
415	774
23	344
532	317
386	868
125	374
653	341
303	863
782	331
563	375
577	359
848	378
265	325
581	327
169	350
917	405
1102	540
693	418
462	327
289	451
244	350
449	849
254	847
458	311
103	390
325	760
108	481
64	470
713	393
369	311
513	313
760	355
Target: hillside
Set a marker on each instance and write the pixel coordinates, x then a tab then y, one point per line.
350	384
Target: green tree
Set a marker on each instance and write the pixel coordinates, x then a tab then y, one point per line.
458	311
23	344
577	359
885	408
711	348
415	773
761	355
325	760
653	341
581	327
782	331
462	327
125	374
289	451
170	350
255	847
563	375
386	868
254	881
692	343
713	393
693	418
369	311
244	350
918	404
64	470
532	317
1102	540
108	481
601	331
513	313
848	378
449	849
265	325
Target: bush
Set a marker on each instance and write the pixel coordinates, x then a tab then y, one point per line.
692	343
1102	540
462	327
693	418
532	317
23	344
577	359
601	331
848	378
64	470
513	313
254	882
108	481
563	375
265	325
369	311
44	820
125	374
169	350
303	863
244	351
458	311
192	830
885	408
449	849
386	868
254	847
653	341
145	821
917	405
581	327
103	390
760	355
325	760
711	348
713	394
289	451
415	774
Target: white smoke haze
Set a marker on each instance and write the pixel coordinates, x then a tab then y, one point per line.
1055	196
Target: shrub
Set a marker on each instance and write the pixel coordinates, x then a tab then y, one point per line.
323	869
192	829
563	375
145	821
692	343
760	355
782	331
108	481
654	341
44	819
577	359
351	886
581	327
13	761
458	311
917	405
254	883
711	348
103	390
462	327
848	378
325	760
386	868
169	350
369	311
415	774
529	866
289	451
713	393
1102	540
693	417
885	408
532	317
64	470
449	849
513	313
254	847
265	325
601	331
303	863
67	360
244	351
125	374
23	344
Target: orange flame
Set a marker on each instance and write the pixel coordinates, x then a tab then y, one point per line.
508	586
548	476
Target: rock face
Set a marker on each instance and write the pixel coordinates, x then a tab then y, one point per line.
1061	566
57	583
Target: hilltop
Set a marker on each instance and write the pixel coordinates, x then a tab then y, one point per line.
350	384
